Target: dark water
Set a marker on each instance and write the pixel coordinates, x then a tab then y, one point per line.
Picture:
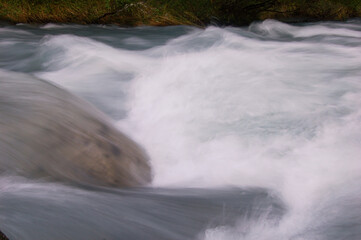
253	133
50	211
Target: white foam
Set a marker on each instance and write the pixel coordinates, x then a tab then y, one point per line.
279	115
225	107
275	29
238	107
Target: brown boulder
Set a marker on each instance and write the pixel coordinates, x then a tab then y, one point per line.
47	132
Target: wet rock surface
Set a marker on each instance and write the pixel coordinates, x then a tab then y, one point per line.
48	132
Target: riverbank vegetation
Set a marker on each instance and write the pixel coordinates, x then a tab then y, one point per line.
175	12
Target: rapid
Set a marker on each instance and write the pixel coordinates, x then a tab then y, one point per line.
253	133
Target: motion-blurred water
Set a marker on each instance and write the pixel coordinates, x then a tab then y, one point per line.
253	133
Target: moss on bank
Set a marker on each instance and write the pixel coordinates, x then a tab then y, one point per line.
174	12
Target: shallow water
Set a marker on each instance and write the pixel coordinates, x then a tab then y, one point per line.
253	133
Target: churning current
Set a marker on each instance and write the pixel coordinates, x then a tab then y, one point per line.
253	133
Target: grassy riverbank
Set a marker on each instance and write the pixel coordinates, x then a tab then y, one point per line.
174	12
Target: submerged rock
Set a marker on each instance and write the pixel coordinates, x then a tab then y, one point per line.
46	131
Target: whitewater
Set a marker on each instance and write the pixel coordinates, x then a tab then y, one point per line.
252	132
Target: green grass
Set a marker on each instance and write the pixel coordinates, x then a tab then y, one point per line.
174	12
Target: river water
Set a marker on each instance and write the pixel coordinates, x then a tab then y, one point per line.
253	133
